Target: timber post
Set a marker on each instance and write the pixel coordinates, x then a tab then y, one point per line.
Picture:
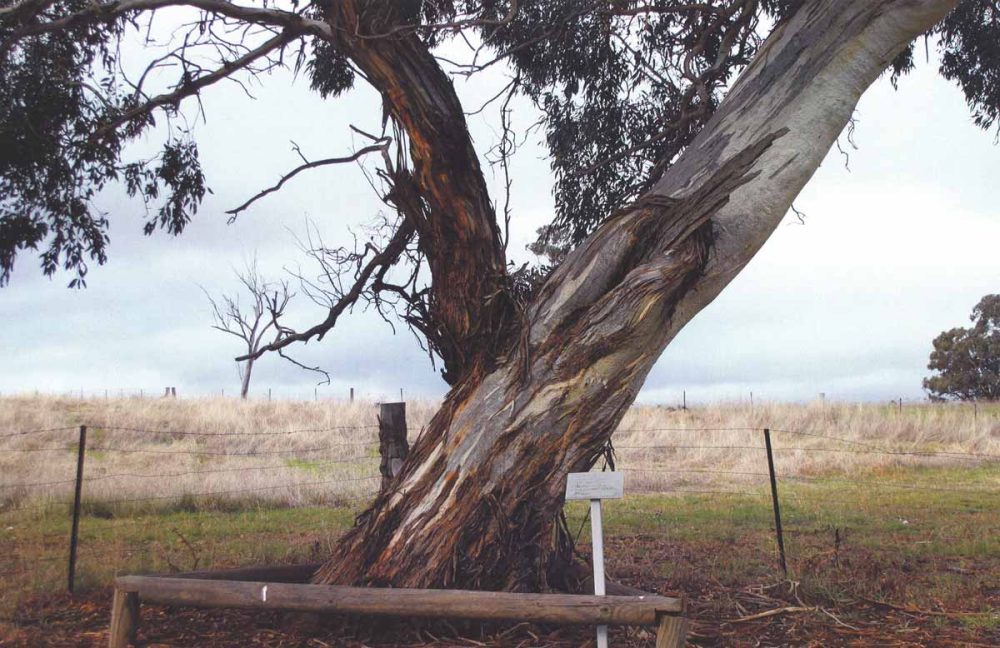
392	444
671	629
124	619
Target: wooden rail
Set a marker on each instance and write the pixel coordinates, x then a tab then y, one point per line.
561	609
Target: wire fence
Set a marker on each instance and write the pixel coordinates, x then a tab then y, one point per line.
139	488
142	490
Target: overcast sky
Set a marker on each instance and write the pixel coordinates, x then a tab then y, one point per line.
892	251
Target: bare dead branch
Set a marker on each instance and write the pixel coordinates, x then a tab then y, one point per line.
384	143
383	259
317	368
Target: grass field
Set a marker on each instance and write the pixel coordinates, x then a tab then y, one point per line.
163	450
886	513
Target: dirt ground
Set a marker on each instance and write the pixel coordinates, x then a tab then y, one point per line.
848	596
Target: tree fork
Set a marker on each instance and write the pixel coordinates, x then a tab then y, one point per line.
477	500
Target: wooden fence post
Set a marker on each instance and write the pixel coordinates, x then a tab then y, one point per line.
124	619
672	631
392	444
81	451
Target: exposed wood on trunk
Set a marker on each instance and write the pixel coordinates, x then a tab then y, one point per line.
476	503
454	219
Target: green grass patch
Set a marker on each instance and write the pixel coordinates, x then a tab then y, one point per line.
886	540
311	467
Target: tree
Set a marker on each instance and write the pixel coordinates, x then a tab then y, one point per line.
968	359
670	173
251	325
261	319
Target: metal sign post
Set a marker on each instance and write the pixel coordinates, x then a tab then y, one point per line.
595	487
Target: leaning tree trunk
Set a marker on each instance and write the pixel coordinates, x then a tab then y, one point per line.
477	502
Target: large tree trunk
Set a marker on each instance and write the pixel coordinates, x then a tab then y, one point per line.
478	500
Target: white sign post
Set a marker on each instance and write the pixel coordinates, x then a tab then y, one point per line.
595	487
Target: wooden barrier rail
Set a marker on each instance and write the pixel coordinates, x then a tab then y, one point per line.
561	609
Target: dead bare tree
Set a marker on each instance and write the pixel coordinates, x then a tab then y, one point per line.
253	320
669	177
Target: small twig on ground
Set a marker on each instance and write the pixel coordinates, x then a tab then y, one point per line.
913	610
839	622
771	613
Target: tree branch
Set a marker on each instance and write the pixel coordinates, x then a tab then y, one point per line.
196	85
24	9
106	11
382	146
316	369
387	257
455	25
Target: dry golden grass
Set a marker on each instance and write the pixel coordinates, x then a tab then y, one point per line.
820	439
220	452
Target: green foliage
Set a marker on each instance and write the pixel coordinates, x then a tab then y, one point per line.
624	86
330	72
61	91
968	359
970	43
616	90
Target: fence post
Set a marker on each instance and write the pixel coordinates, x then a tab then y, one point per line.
774	501
80	452
352	394
392	444
685	401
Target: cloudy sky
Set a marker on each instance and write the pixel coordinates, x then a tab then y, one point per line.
892	251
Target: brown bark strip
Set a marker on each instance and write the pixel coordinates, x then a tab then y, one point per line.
457	226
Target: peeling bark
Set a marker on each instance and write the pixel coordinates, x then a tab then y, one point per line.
477	502
455	219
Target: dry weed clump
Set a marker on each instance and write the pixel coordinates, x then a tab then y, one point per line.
215	453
